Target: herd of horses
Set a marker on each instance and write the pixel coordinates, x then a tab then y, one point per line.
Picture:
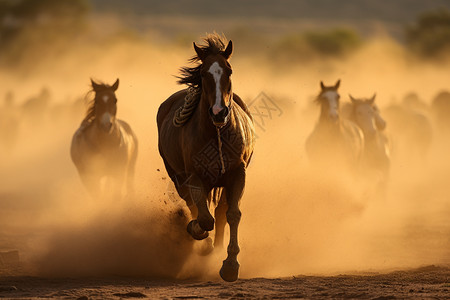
206	139
350	137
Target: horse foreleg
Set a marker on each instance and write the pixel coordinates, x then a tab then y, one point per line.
234	191
91	183
199	227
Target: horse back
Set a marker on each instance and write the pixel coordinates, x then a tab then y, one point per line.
169	105
128	136
164	121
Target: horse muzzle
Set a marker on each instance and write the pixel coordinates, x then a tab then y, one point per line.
221	118
334	118
107	122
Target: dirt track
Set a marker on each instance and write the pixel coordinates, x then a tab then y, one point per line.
427	282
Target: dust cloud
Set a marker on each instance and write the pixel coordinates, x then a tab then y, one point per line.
297	219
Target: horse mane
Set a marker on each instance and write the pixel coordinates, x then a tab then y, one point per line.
90	111
214	44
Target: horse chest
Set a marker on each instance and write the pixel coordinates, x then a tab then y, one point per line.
209	159
104	152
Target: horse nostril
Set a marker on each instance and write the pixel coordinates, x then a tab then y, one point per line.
219	116
216	109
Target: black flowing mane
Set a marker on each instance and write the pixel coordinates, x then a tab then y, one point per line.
90	111
191	76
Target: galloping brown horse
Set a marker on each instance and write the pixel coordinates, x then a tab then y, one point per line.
206	139
105	147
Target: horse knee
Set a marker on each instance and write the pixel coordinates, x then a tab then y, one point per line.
234	217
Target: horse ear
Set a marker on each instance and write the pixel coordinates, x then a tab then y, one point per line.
338	83
352	99
229	50
115	86
322	86
94	85
200	52
372	100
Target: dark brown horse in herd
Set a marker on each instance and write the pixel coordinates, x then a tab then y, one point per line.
206	139
104	148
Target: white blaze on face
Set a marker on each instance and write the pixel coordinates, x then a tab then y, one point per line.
332	97
105	98
217	72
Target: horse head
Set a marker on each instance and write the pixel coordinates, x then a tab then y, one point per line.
215	72
105	105
329	101
367	116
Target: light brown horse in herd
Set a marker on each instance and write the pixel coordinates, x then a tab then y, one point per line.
104	148
206	139
350	137
335	141
366	114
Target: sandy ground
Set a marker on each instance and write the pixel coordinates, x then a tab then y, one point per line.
431	282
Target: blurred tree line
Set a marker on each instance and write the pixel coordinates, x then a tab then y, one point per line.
31	30
429	36
304	46
37	25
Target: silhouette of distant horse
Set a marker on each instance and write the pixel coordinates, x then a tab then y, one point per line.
440	107
206	140
335	142
9	123
35	110
411	129
105	148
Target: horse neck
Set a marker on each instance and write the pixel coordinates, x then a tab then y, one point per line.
326	124
202	118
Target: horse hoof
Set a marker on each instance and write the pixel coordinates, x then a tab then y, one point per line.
195	231
229	271
206	224
206	247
